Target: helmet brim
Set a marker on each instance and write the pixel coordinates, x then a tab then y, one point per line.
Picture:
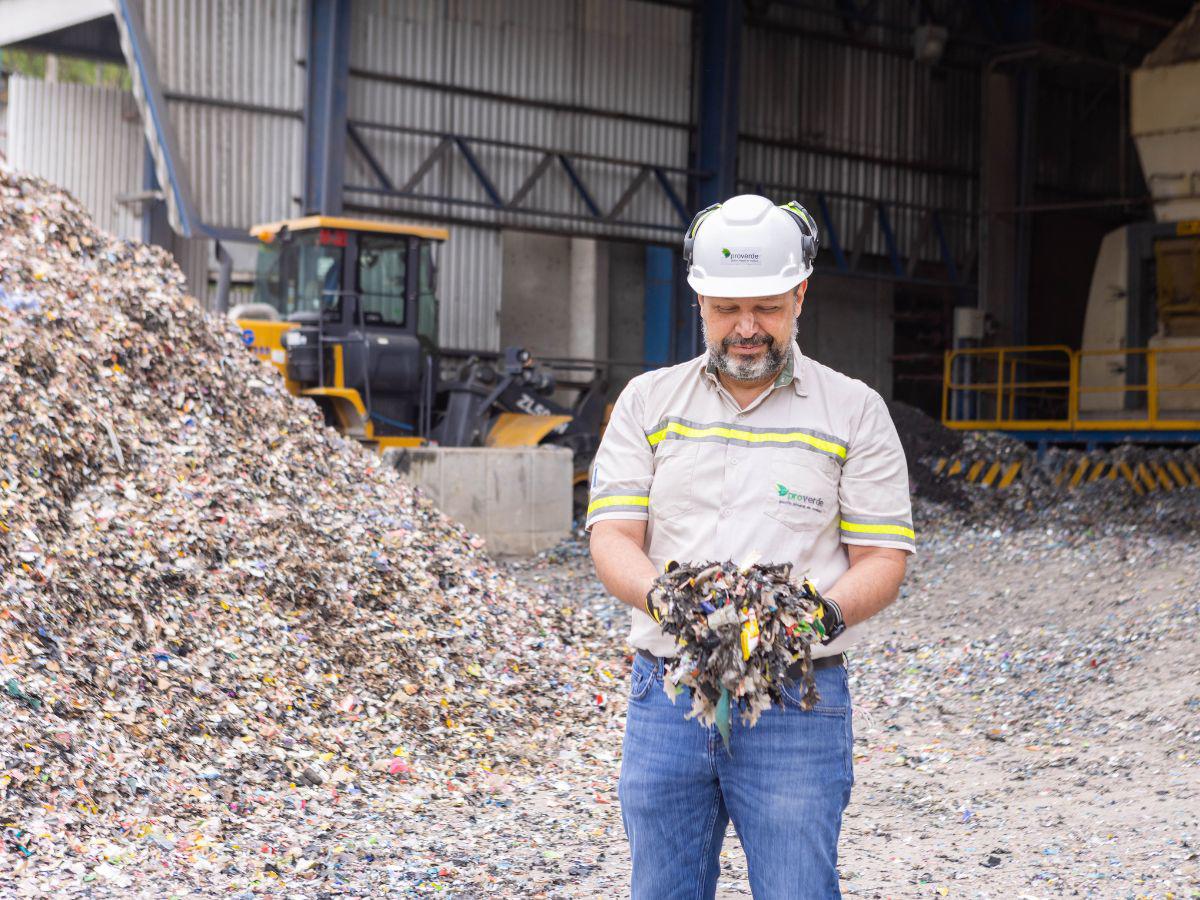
756	286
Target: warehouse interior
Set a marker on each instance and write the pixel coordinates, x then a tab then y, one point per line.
964	161
313	319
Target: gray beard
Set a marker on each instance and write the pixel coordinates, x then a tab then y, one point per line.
770	363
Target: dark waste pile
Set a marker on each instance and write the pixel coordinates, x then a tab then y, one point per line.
739	629
1137	485
214	611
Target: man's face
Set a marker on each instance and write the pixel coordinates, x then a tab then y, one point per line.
748	338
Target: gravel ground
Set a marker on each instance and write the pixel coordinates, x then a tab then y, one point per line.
1027	722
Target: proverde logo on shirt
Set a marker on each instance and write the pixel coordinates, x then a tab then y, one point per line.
802	501
741	256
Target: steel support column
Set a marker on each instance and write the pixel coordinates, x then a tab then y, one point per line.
1007	167
156	227
328	73
719	58
160	136
1027	95
659	301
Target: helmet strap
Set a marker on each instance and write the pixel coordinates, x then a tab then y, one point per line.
689	236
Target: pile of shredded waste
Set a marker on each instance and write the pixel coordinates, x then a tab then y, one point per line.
962	478
739	629
212	607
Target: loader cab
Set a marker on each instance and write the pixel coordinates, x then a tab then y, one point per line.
347	309
351	272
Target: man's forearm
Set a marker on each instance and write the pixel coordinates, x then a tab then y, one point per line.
623	566
869	585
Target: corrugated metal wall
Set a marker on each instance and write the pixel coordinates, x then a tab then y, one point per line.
86	139
469	281
607	78
818	115
244	165
536	72
89	141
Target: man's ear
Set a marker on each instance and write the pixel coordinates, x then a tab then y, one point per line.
801	288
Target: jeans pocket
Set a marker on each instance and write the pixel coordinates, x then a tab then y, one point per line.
830	702
640	679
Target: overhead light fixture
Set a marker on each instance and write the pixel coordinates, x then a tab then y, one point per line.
929	43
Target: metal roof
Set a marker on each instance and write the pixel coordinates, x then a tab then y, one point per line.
307	223
21	20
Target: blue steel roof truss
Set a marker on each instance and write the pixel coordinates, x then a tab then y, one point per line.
467	147
875	215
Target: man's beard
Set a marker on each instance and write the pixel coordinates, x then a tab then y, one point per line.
745	369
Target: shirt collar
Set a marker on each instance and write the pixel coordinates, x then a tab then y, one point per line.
792	373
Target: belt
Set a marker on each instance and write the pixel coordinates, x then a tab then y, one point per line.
793	672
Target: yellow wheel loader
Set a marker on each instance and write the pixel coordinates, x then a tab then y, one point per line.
347	310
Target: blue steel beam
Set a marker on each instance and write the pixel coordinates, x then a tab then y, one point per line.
672	197
1133	435
720	81
385	185
480	175
659	300
579	186
156	226
160	136
839	257
369	158
328	74
944	246
889	237
720	70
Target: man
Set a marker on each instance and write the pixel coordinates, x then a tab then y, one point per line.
750	448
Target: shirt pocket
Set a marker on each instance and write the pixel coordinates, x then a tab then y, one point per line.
671	489
803	491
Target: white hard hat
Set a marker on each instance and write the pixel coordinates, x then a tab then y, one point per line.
749	247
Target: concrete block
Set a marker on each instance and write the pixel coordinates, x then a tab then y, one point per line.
551	485
509	502
462	487
518	500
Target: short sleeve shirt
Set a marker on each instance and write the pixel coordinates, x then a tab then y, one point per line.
811	465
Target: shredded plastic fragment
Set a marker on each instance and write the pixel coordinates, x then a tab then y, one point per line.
739	629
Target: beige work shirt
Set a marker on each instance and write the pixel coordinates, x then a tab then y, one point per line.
813	464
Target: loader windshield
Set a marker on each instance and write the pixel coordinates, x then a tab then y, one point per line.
382	281
298	274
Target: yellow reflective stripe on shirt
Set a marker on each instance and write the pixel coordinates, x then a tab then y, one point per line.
605	502
900	530
751	437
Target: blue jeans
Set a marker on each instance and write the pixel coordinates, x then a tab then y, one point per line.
784	783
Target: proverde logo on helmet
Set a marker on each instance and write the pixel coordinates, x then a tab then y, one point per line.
749	247
742	256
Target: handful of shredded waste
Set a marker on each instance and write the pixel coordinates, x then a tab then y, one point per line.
738	629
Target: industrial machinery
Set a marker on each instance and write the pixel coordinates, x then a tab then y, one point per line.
1137	375
347	310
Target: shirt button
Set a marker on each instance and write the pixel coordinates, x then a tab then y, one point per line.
735	460
726	513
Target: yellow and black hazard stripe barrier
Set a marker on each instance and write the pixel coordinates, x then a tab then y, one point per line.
984	472
1145	476
1086	471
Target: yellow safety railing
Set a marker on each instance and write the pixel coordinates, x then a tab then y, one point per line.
1055	388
